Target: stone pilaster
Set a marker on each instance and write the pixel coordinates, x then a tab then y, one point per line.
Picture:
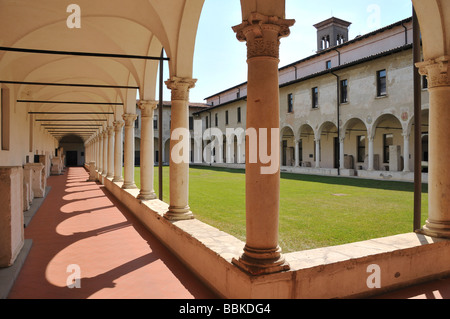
437	72
179	167
262	255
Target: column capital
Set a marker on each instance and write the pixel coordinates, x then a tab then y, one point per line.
180	87
147	107
262	34
129	118
437	71
118	125
110	130
104	133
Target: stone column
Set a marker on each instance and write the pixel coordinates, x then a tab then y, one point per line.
105	152
110	170
118	125
100	153
341	153
406	152
317	141
129	151
371	155
179	149
297	160
262	254
438	74
11	215
147	191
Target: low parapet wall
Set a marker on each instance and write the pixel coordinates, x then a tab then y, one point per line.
361	269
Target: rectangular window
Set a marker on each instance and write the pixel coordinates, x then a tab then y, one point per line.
226	117
216	120
238	94
239	115
207	122
344	91
361	143
136	123
315	98
155	122
381	83
328	65
388	140
191	123
290	101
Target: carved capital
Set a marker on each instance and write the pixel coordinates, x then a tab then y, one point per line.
147	108
262	34
129	119
437	71
110	130
118	125
180	87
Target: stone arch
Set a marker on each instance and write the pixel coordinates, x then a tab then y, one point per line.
386	132
354	133
287	150
306	145
329	144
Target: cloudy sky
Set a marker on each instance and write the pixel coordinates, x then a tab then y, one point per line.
220	59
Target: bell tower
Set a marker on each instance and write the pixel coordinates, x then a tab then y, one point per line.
331	32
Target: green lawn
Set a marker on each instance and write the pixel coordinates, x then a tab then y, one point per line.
315	211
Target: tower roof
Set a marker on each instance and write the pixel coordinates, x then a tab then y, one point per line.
332	21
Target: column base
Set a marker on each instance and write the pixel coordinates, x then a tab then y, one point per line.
179	213
259	262
129	186
117	180
146	195
436	229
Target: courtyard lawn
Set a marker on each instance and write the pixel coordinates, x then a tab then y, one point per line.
315	211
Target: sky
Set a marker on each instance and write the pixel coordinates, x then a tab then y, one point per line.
220	59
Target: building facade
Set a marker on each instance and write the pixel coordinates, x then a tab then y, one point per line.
343	110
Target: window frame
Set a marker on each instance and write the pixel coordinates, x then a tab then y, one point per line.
380	81
360	149
343	97
290	102
315	98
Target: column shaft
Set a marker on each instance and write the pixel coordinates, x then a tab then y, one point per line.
179	149
118	152
129	151
438	73
105	153
110	170
147	191
262	255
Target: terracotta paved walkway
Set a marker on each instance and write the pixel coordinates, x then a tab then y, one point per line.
81	224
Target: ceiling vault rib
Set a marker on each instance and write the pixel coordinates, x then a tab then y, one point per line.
89	54
69	102
103	86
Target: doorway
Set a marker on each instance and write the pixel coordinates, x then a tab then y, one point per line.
71	158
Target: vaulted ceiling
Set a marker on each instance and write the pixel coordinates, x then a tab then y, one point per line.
121	37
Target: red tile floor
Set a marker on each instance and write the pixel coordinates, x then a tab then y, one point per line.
82	229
